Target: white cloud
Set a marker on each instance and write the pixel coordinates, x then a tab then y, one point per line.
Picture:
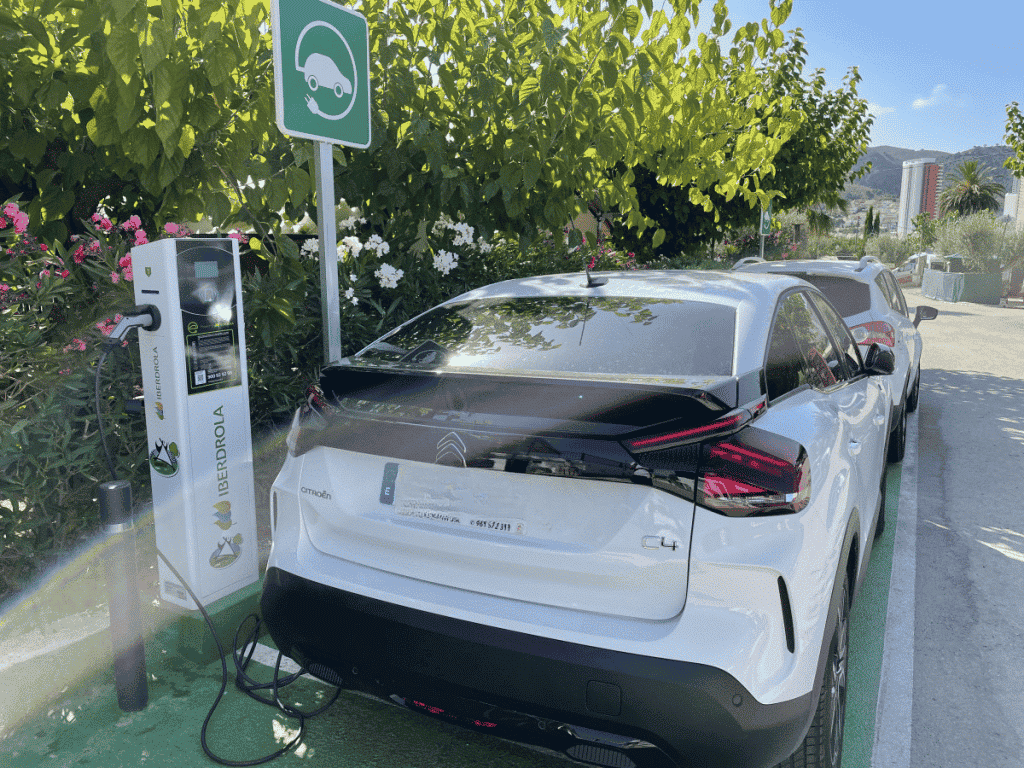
878	109
938	96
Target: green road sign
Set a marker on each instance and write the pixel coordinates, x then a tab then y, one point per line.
322	71
766	220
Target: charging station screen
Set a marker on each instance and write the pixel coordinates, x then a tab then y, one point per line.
206	270
206	287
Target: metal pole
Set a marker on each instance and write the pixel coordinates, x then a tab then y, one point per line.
123	593
330	301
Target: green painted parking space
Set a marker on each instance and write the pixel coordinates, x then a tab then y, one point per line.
82	725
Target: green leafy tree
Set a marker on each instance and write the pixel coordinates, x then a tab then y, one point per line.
807	173
971	189
156	107
1015	138
869	222
925	227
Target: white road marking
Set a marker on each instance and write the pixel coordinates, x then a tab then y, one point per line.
893	714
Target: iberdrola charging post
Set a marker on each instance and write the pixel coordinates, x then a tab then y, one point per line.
196	392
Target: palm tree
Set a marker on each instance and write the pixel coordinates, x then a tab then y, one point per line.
971	190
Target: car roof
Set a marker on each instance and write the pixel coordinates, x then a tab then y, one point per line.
733	288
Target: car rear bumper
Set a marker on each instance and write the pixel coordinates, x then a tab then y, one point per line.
530	688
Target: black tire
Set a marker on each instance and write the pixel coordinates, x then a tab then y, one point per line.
914	393
898	437
880	524
823	745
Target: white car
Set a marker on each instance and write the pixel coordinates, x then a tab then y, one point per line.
906	273
871	302
622	516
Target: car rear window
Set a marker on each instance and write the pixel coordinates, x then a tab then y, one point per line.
848	296
567	334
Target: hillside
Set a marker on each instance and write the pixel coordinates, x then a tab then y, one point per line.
886	173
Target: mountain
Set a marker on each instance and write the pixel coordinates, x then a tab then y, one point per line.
886	174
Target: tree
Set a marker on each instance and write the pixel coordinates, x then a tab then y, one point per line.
155	106
513	113
869	222
1015	138
808	172
972	190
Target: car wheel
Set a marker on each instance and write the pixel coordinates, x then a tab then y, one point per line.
880	524
823	745
898	437
912	398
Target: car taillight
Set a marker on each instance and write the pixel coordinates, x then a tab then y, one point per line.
754	473
877	331
660	441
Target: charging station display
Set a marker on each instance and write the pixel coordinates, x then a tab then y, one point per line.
196	392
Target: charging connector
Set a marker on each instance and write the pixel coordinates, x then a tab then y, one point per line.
144	316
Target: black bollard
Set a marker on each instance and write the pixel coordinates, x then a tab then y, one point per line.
123	593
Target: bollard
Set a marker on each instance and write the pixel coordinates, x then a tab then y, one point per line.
123	592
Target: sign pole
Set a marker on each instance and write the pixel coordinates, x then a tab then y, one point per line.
327	232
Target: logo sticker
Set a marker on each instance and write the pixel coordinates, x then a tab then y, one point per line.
223	514
220	559
164	458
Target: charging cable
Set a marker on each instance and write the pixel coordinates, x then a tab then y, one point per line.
147	317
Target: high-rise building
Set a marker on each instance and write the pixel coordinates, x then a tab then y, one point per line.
1013	204
919	192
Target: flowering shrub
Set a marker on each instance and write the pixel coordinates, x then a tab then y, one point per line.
57	303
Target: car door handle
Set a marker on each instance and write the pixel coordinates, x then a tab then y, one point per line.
878	420
855	447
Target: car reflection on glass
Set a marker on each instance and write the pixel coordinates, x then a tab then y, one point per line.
320	70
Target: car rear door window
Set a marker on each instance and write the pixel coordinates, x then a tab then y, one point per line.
849	297
899	302
841	333
801	351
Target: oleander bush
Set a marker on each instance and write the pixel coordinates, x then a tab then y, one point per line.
59	301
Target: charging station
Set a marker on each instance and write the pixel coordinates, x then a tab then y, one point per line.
196	391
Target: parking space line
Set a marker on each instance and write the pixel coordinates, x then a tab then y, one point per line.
893	714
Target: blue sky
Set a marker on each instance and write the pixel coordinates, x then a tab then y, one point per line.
938	74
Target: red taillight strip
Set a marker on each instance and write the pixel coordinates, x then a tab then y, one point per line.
720	451
660	441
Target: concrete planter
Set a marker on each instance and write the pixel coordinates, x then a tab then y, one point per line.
960	286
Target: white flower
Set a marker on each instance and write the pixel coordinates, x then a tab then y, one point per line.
445	262
388	275
352	277
484	246
464	234
350	294
443	222
311	246
353	245
378	244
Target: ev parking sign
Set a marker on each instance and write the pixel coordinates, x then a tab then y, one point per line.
321	71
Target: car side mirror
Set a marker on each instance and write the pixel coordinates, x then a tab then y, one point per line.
925	313
879	361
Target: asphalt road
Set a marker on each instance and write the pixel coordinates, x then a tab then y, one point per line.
966	557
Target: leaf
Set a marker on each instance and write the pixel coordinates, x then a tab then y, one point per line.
123	50
35	28
187	140
157	47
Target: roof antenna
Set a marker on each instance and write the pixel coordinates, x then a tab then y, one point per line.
593	282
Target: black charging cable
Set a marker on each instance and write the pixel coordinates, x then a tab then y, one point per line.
147	317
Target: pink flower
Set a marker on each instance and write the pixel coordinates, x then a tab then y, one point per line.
79	254
238	236
10	209
126	260
20	222
128	274
114	277
45	273
65	371
44	247
133	223
64	273
4	287
3	222
171	228
140	237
